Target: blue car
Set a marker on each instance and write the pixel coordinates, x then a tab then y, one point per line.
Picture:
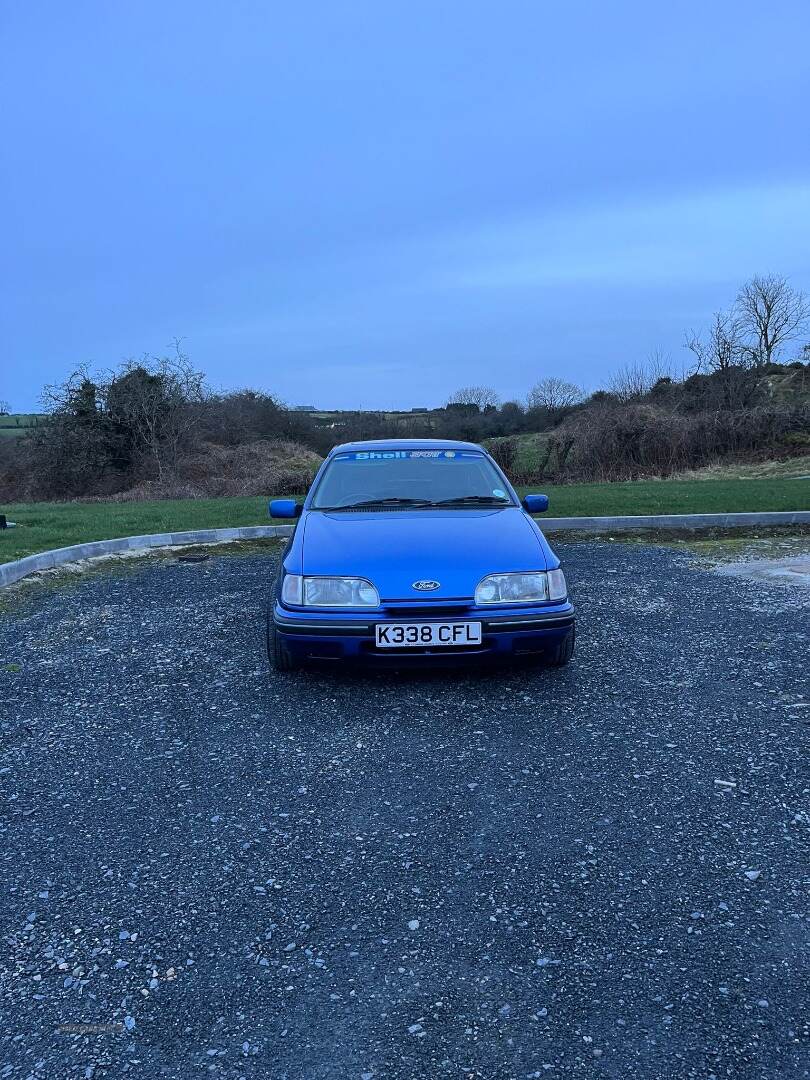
416	551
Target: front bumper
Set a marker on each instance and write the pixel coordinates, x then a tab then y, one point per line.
323	635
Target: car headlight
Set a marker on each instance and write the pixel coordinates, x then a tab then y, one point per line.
347	592
521	588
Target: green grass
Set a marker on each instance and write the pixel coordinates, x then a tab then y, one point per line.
13	425
41	526
677	497
50	525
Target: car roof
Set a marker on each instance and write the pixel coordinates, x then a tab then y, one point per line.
406	444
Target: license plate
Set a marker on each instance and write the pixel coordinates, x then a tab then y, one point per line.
425	635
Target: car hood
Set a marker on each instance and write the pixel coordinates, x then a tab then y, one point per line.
393	549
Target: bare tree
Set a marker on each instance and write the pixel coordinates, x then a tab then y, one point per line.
156	400
723	346
554	394
659	365
481	396
771	312
77	396
636	379
75	450
631	381
5	408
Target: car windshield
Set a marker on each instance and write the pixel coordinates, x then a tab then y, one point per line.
410	478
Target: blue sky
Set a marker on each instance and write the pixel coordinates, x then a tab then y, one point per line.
371	204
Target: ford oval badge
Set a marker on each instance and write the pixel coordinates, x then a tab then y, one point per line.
426	586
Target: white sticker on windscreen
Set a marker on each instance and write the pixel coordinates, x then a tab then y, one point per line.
400	455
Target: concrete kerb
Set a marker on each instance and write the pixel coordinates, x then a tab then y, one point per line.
688	522
48	560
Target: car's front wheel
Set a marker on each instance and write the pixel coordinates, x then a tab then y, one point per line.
562	651
278	654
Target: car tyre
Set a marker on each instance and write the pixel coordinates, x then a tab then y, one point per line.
280	657
563	651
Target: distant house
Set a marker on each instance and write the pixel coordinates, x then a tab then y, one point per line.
420	410
304	408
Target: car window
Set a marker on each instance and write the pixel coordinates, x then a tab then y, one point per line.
427	476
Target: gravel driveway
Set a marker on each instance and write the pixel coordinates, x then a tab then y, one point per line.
209	870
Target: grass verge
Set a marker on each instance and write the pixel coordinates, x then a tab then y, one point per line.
42	526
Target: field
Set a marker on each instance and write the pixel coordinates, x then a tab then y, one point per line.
49	525
12	425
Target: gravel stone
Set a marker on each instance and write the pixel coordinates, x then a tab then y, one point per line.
230	857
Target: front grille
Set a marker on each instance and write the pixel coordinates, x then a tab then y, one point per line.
432	611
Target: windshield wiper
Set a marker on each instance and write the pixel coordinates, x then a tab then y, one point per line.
459	500
368	504
472	500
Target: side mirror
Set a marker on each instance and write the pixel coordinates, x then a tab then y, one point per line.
535	504
284	508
